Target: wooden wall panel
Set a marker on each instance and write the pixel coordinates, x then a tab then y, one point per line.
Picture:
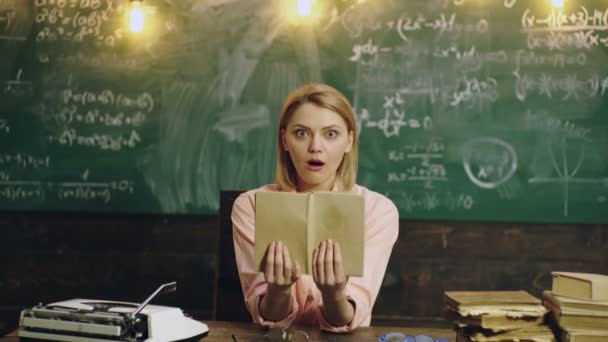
54	256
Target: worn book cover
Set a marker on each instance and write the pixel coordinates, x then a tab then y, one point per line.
506	303
536	333
303	220
458	299
572	306
586	286
584	336
495	322
577	322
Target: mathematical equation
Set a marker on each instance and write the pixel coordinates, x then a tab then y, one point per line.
423	163
360	22
565	87
431	200
143	102
566	40
80	191
112	142
18	87
581	19
77	21
99	59
566	127
24	160
395	117
71	114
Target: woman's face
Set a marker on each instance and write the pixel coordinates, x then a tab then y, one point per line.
316	139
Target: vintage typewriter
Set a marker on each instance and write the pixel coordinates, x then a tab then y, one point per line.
86	320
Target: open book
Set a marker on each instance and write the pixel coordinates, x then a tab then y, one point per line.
303	220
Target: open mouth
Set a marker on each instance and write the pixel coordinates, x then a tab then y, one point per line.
315	163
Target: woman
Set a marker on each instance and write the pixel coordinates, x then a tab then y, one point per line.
317	151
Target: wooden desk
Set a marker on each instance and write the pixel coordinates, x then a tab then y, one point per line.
247	332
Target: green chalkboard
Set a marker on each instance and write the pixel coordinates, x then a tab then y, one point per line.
469	110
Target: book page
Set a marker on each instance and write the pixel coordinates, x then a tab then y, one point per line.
281	216
340	216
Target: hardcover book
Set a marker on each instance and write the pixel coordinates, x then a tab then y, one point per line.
586	286
303	220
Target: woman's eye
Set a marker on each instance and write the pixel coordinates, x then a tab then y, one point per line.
300	133
332	133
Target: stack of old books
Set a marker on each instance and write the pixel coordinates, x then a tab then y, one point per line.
496	316
579	306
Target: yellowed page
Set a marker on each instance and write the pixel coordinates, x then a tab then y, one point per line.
310	233
281	216
340	216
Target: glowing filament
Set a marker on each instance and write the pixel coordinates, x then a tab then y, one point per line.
305	7
557	3
136	17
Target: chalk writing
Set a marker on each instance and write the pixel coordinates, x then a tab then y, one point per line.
423	163
560	151
579	20
107	97
566	40
4	126
77	21
566	87
71	115
488	161
411	202
565	127
18	87
25	160
112	142
358	23
479	92
65	191
100	59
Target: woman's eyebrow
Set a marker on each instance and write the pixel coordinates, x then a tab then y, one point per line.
334	126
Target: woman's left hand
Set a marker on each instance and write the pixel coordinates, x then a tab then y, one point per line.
327	269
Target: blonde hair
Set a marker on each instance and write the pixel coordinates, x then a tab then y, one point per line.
330	98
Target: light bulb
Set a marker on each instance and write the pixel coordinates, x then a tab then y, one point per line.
136	16
557	3
305	7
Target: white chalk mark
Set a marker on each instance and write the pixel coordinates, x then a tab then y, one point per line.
486	161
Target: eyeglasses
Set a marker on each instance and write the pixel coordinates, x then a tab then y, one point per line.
275	334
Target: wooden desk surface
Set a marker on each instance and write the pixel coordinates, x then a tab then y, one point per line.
248	332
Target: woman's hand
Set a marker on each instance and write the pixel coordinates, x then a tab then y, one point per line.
328	274
280	273
327	269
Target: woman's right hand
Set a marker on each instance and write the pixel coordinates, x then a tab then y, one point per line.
279	271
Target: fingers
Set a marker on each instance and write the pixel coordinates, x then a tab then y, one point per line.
269	268
321	262
315	269
279	269
330	278
278	263
338	266
297	272
328	269
287	267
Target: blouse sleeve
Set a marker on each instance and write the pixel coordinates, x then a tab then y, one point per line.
252	282
382	232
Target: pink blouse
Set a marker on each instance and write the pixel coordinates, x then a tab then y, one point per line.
382	228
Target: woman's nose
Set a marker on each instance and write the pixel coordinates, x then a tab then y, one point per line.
316	145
